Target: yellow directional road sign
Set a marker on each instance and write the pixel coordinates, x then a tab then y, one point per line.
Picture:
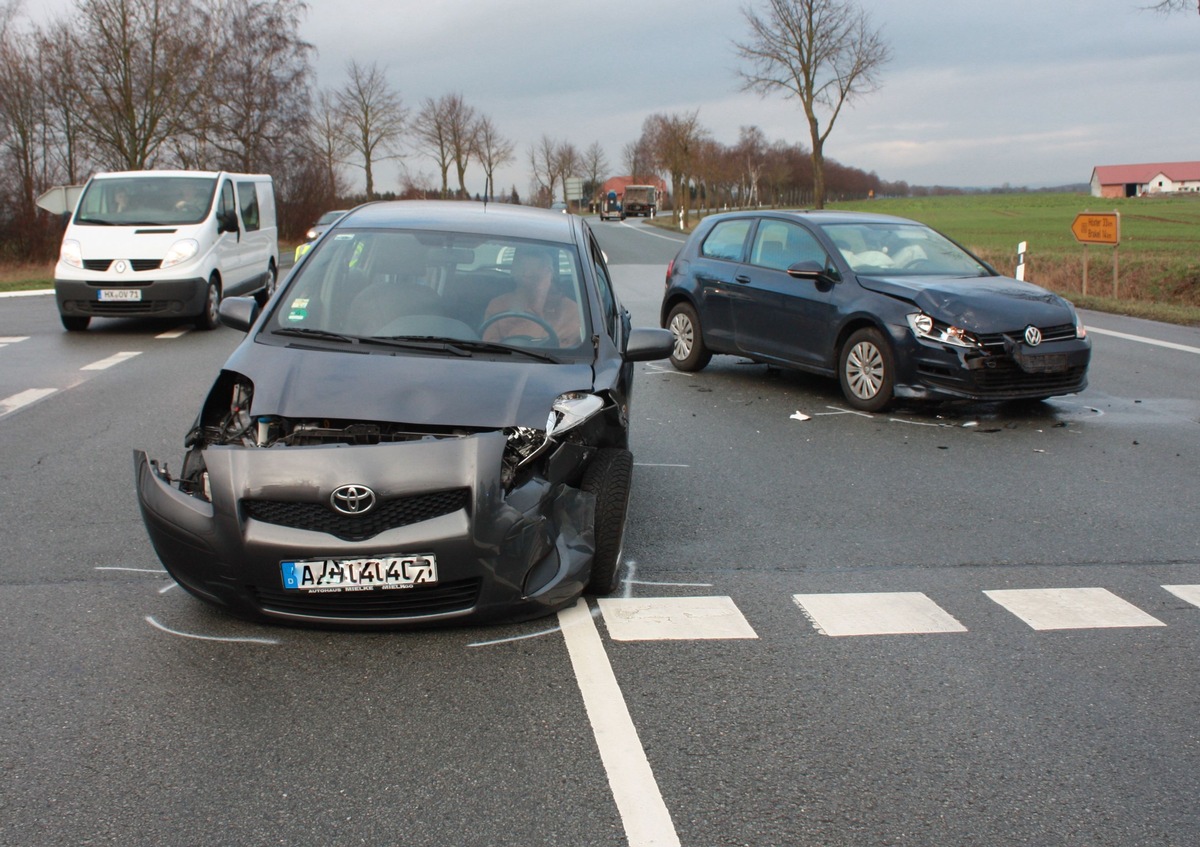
1100	228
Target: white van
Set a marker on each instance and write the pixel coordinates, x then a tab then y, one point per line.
166	244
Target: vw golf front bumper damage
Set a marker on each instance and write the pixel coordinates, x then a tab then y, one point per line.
504	549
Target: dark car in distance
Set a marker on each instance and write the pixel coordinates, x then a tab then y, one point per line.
888	306
428	423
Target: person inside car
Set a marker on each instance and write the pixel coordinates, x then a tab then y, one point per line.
535	272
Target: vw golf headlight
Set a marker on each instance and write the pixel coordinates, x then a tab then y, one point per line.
928	329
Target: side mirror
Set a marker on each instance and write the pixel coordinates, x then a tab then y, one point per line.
815	271
646	344
227	222
238	313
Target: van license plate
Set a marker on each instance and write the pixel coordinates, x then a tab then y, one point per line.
384	572
120	295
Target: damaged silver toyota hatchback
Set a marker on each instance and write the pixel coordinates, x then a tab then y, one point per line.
427	423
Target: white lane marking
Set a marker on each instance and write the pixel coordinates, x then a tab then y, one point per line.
639	801
24	398
31	293
158	571
883	613
174	333
646	230
671	584
659	465
150	620
12	339
1142	339
674	619
1190	593
1071	608
114	359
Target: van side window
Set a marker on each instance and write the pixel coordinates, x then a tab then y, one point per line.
248	200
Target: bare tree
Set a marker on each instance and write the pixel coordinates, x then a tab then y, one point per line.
375	119
569	162
824	53
675	142
22	131
545	164
140	69
639	160
752	153
595	167
463	126
328	144
493	151
259	87
1170	6
431	130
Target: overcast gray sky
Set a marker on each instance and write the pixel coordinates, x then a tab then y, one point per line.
1025	92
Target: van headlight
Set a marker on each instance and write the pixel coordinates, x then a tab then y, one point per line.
71	254
181	251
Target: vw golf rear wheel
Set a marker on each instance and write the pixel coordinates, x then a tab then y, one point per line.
689	352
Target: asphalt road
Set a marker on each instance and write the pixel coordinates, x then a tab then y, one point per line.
952	625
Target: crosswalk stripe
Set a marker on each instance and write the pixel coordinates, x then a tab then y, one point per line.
1072	608
1190	593
673	618
24	398
884	613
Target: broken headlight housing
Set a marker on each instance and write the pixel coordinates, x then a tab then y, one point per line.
927	328
568	412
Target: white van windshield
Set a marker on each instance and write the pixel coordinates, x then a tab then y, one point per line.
146	201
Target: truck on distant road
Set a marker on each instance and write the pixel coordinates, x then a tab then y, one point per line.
640	201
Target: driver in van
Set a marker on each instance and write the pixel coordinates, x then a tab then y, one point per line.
534	271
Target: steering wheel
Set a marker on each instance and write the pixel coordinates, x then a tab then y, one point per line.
552	336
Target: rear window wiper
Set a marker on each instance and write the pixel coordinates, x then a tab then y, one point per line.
468	346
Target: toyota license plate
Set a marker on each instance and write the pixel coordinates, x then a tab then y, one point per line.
119	295
341	575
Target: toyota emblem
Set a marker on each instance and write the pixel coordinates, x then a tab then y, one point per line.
352	499
1033	336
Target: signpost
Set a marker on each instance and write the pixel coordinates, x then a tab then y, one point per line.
1098	228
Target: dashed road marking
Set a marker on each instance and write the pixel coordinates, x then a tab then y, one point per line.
673	618
1072	608
1190	593
115	359
12	339
884	613
29	396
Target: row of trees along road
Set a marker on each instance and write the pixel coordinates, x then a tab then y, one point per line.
214	84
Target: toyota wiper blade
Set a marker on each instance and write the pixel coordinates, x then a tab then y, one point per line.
468	346
310	332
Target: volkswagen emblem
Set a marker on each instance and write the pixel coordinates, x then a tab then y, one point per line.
1033	336
352	499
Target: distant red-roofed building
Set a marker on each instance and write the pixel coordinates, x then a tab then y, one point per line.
1153	178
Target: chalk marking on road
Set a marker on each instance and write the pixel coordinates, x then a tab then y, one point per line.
644	815
24	398
838	410
1142	339
672	584
659	465
150	620
114	359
